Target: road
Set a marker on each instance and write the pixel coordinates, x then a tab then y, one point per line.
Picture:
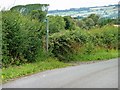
95	75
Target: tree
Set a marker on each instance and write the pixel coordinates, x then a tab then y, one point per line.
81	24
56	24
94	17
105	21
38	14
69	23
89	23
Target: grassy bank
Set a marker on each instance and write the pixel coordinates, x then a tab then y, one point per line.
30	68
99	54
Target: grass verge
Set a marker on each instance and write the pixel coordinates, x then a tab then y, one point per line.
100	54
30	68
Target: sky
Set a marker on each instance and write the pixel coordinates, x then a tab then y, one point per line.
58	4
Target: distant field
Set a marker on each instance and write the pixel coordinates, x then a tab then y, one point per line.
110	11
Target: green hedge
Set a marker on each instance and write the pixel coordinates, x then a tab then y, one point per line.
63	45
21	38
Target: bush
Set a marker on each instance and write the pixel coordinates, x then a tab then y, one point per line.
22	38
106	37
56	24
60	45
65	45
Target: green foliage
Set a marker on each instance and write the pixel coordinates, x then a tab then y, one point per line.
24	41
93	21
38	14
89	48
106	36
104	21
24	36
96	54
94	17
21	38
89	23
81	24
64	45
117	21
56	24
31	68
0	38
69	23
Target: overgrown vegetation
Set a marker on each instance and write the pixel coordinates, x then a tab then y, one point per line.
65	44
22	38
24	35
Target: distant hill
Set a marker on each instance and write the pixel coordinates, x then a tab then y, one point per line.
26	9
110	11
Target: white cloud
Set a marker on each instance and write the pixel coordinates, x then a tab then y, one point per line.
59	4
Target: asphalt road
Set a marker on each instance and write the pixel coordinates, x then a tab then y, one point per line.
96	75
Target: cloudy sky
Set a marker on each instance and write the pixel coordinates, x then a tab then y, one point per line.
58	4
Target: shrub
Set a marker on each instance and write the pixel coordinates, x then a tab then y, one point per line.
64	45
56	24
22	38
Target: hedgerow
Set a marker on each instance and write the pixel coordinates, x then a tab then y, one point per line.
65	44
21	38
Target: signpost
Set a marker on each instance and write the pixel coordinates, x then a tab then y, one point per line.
47	33
47	27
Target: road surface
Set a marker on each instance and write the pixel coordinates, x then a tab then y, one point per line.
96	75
